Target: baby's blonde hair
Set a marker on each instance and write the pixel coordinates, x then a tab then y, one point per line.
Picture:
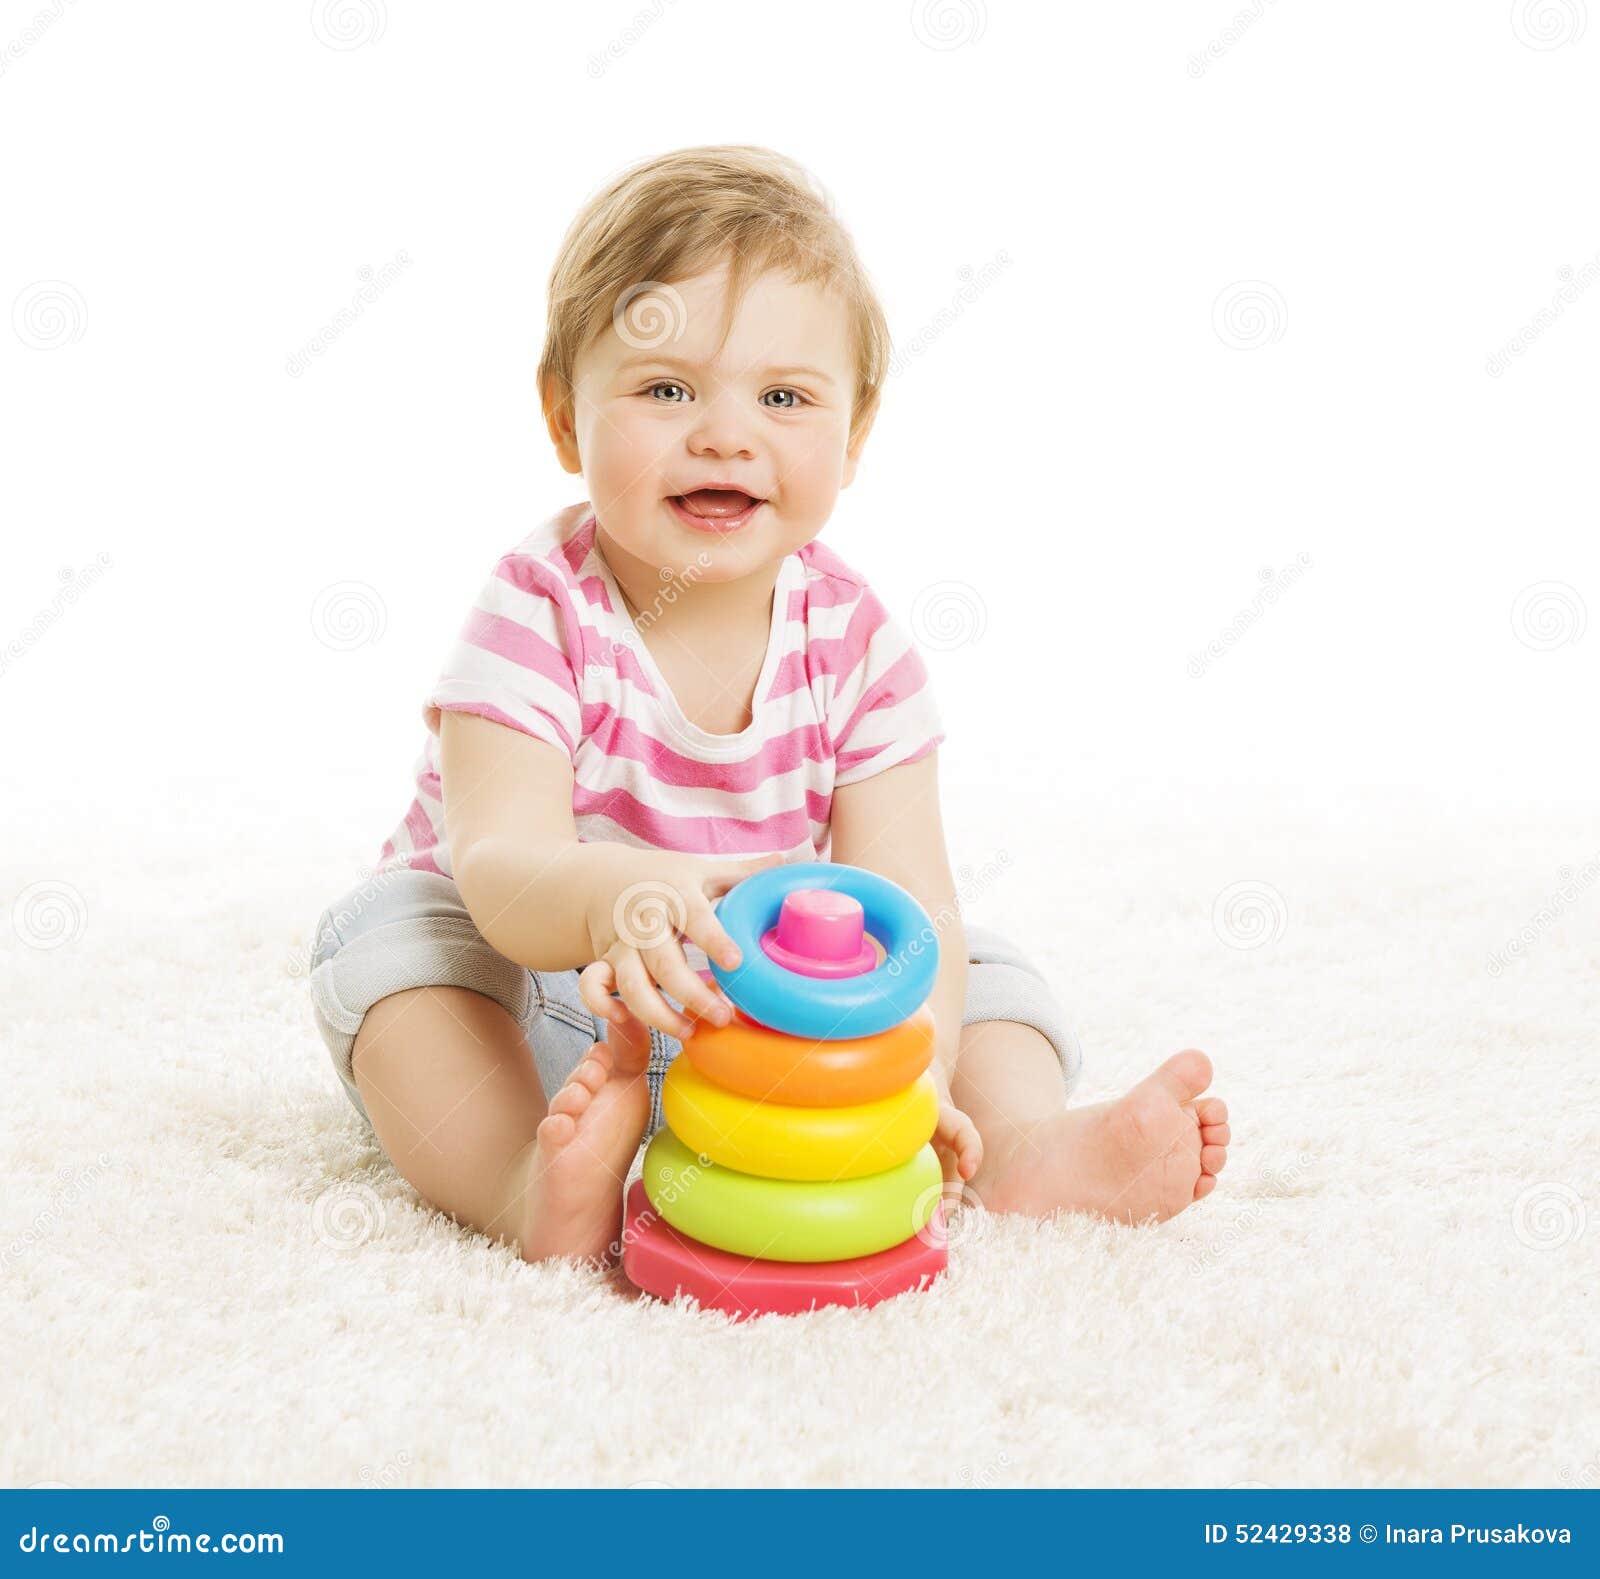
670	218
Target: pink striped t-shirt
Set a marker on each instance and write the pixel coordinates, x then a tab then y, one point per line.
549	649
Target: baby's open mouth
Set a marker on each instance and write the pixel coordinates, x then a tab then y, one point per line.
716	504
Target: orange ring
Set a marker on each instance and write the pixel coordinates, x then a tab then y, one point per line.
771	1067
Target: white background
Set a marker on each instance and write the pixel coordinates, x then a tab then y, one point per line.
1097	454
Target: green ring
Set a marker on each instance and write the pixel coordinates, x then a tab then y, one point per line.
790	1219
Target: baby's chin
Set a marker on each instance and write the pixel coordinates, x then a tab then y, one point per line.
715	563
756	548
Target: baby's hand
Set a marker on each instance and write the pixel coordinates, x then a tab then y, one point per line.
635	929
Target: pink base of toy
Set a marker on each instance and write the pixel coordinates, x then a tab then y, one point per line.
663	1262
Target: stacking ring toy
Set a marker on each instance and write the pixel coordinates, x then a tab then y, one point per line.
771	1067
787	1219
776	982
798	1142
663	1262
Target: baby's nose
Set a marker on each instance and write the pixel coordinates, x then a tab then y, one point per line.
722	429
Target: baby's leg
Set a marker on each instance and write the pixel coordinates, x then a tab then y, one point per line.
1148	1154
452	1091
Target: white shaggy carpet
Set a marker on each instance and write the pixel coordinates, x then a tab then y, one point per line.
211	1276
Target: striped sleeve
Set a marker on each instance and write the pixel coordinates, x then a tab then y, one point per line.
881	709
512	661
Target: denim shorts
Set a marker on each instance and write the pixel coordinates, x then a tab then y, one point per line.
404	929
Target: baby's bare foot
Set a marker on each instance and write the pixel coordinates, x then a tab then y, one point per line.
571	1187
1145	1156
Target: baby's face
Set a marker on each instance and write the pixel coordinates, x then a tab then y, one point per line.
661	414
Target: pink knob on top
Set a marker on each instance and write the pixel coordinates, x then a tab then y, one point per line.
820	932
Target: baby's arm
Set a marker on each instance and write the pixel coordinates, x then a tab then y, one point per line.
549	902
890	824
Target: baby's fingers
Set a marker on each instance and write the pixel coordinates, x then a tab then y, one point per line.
627	1044
700	923
640	995
702	927
668	966
595	986
722	875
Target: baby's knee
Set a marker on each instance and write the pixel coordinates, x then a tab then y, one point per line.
1004	984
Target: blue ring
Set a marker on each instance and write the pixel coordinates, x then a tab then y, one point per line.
845	1007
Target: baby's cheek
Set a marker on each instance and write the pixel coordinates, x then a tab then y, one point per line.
807	493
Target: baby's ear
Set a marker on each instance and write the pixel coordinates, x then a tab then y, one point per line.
556	400
852	455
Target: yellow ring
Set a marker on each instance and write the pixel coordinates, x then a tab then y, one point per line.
778	1142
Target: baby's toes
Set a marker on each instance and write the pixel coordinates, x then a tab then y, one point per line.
1211	1113
573	1099
1204	1185
592	1073
555	1133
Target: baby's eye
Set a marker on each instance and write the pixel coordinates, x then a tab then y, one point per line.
668	384
794	401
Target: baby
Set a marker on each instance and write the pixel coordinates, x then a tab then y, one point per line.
657	693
